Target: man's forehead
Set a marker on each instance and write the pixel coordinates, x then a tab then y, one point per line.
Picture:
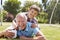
21	16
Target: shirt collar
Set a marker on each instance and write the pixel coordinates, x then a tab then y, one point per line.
26	27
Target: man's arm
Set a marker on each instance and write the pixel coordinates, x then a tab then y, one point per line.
39	36
14	23
26	38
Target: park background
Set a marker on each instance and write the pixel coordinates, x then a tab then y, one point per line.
48	18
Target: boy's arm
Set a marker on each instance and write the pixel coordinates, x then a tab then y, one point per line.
14	24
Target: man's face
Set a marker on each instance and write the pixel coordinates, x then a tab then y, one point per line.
32	13
21	22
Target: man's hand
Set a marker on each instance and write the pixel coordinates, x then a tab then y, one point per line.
8	34
25	38
1	34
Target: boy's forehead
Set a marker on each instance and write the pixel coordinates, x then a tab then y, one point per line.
33	10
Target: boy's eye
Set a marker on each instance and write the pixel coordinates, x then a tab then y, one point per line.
18	21
32	11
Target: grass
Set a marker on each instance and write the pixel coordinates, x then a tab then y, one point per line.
50	32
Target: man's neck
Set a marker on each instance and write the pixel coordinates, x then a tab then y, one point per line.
24	27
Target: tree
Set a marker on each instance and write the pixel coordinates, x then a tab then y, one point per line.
56	14
44	4
42	17
12	7
27	5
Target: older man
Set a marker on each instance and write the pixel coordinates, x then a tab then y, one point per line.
25	30
11	32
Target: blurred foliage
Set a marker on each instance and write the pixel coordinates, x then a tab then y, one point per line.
27	5
4	13
44	4
56	14
42	17
12	6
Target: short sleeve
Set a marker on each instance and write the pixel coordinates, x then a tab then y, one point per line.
35	30
29	24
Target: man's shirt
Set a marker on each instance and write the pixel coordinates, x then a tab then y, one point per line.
28	32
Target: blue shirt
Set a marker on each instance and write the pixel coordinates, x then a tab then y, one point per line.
28	32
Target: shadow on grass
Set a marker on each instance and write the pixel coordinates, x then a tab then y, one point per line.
9	39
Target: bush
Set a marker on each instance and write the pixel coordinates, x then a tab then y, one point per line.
42	17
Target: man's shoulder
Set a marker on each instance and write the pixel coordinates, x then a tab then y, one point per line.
29	24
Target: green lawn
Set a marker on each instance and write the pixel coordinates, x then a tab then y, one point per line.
51	32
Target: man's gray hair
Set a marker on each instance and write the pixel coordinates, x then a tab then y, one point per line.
21	15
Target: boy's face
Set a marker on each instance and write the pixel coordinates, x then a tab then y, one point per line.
21	22
32	13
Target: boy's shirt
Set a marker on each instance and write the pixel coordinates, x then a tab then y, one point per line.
28	32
